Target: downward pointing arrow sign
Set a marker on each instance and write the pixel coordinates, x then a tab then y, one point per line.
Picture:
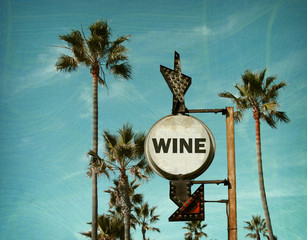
192	209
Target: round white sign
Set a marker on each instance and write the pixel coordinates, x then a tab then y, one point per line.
179	147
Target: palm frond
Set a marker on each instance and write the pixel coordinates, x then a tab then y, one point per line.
110	141
102	80
117	52
272	92
123	70
227	95
251	235
116	55
137	198
256	226
269	120
261	76
238	116
240	102
243	91
98	42
155	229
72	38
126	134
100	165
270	106
87	234
139	141
281	117
269	81
76	42
100	29
66	63
121	39
136	171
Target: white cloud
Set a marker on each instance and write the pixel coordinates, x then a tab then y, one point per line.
87	100
44	73
72	175
203	30
124	91
232	23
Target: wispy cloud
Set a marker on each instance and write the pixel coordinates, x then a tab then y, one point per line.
86	98
43	73
121	90
72	175
125	91
218	30
232	23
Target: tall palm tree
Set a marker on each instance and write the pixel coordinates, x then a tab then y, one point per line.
195	230
261	96
100	54
145	216
125	152
257	226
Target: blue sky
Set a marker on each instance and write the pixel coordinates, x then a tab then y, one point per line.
45	126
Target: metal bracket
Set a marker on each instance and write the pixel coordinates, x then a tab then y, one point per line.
221	110
225	182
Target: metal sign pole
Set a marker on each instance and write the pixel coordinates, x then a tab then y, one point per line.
231	169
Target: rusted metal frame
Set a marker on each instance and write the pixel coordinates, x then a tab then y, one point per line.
225	182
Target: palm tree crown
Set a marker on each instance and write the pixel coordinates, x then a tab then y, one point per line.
145	216
96	51
110	228
125	152
195	230
259	95
256	226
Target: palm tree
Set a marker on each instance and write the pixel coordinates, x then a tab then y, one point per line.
135	198
110	227
257	226
125	152
261	97
98	53
195	230
145	216
115	200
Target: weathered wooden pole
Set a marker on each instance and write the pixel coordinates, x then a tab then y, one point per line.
231	169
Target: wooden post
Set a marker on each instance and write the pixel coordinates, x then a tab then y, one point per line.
231	169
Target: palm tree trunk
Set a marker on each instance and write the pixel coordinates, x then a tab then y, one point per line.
95	149
125	201
258	236
127	224
260	176
143	233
